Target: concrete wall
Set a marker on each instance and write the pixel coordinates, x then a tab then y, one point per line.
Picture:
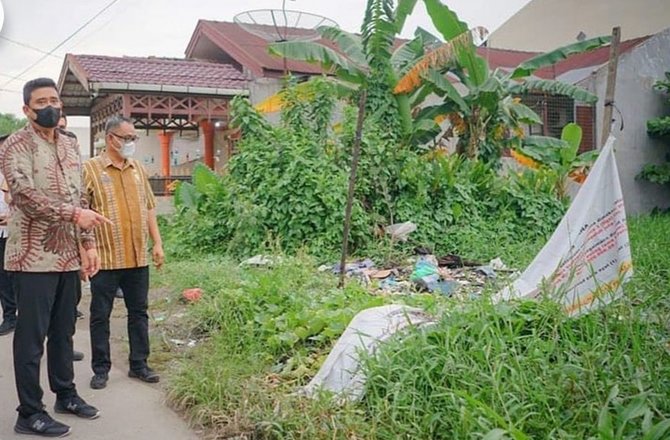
187	149
635	97
262	88
544	25
84	137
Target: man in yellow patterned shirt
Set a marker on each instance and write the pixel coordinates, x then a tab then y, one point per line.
117	187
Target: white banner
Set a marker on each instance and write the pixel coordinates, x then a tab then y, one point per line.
587	259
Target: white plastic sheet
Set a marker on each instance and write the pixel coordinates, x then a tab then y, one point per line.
341	372
587	259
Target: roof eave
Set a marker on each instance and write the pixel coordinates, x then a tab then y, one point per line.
116	87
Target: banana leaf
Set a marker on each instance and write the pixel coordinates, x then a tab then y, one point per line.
554	88
547	59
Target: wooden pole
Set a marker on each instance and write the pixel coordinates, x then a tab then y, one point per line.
611	84
355	156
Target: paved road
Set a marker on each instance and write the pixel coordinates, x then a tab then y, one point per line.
130	410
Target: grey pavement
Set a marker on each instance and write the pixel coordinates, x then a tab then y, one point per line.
129	409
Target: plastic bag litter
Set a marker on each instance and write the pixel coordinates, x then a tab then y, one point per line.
400	231
341	372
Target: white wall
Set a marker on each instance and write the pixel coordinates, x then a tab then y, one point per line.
544	25
635	97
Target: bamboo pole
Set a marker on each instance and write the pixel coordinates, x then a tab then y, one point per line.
611	84
355	156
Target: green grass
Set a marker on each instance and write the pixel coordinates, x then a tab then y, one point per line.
514	371
526	370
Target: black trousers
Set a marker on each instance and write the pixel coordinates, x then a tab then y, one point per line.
46	304
7	296
135	285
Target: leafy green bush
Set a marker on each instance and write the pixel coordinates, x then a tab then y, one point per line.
286	190
658	128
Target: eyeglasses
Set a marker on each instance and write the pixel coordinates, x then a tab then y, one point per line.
129	138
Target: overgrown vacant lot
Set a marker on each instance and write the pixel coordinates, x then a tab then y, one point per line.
517	371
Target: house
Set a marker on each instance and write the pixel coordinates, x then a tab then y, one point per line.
544	25
181	105
230	43
644	57
635	102
557	111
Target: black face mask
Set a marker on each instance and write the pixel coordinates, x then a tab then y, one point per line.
47	117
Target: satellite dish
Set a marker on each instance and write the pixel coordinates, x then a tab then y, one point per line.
277	25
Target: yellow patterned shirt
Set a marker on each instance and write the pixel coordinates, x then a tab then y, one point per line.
125	197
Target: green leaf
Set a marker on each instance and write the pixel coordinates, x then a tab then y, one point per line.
658	127
545	142
495	434
547	59
605	428
318	54
428	38
491	414
444	19
636	408
572	135
443	84
554	88
419	96
204	179
407	54
350	44
402	11
525	114
186	196
658	431
477	67
449	25
433	111
405	113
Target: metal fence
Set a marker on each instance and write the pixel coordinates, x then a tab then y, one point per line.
165	186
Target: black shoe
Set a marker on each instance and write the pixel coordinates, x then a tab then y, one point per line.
76	405
42	424
77	356
80	315
7	327
145	374
99	381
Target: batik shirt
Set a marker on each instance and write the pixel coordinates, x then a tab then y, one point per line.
124	196
45	184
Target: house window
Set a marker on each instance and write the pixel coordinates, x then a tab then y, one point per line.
555	111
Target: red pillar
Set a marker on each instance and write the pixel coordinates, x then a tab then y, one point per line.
166	141
208	133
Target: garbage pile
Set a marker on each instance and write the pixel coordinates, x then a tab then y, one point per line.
448	275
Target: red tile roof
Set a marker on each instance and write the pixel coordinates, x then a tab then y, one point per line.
508	59
159	71
251	51
248	49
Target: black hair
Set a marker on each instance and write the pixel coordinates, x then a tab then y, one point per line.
35	84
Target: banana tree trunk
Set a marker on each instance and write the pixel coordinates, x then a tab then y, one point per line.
355	156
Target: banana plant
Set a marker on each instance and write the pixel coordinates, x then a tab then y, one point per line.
560	155
485	117
368	61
